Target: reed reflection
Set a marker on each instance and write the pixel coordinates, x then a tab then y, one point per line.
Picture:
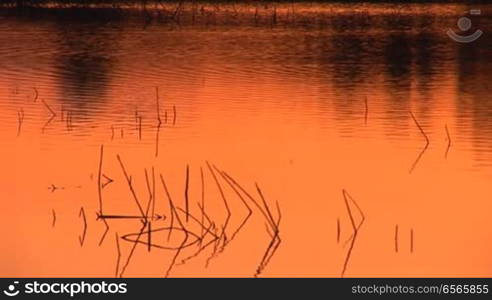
271	105
474	107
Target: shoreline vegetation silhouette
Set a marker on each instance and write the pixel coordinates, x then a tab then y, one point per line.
156	3
222	12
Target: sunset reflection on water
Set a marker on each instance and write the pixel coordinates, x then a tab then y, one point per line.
304	112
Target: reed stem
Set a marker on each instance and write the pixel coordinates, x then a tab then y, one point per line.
82	238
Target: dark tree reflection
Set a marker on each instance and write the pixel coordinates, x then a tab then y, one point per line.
85	59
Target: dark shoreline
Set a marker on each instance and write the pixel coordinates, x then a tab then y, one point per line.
203	12
120	3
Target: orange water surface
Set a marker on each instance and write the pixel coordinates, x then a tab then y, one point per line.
305	112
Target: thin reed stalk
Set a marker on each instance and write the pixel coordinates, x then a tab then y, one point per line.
159	122
186	191
411	240
105	232
202	180
20	119
53	222
99	177
144	215
276	237
149	237
53	188
158	110
53	115
157	138
448	137
355	228
36	94
130	185
396	238
224	199
108	181
150	192
119	254
366	113
82	237
68	120
173	211
216	249
171	206
338	230
174	115
132	251
275	241
140	127
130	217
245	203
153	191
149	203
427	142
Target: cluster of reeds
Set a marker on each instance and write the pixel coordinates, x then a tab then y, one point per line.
159	119
427	143
21	113
203	234
422	132
159	125
258	13
66	116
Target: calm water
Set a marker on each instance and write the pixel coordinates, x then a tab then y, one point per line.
318	101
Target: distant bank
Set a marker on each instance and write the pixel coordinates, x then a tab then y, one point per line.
122	3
